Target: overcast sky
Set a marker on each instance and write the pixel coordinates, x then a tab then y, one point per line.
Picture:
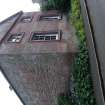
7	96
8	8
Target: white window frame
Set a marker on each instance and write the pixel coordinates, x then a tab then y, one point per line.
50	17
46	36
15	38
26	19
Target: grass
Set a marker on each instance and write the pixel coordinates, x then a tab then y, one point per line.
81	72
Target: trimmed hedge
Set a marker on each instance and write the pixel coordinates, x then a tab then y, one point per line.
65	100
81	72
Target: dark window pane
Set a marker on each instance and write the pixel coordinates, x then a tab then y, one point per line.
15	37
53	37
47	37
35	37
41	37
11	38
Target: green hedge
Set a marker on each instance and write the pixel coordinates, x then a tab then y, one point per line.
81	72
65	100
61	5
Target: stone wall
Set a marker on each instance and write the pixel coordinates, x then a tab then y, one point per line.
38	78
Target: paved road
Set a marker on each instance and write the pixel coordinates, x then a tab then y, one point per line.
97	14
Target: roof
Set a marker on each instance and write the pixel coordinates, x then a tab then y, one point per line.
7	24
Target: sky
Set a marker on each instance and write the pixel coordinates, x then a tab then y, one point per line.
8	8
7	96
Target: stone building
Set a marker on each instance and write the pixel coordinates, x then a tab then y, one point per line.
36	55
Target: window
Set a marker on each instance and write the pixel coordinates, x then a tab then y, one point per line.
50	17
45	36
15	38
26	19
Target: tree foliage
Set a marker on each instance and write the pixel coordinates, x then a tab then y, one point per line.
61	5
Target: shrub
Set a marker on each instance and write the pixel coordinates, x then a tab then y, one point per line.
65	100
81	72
